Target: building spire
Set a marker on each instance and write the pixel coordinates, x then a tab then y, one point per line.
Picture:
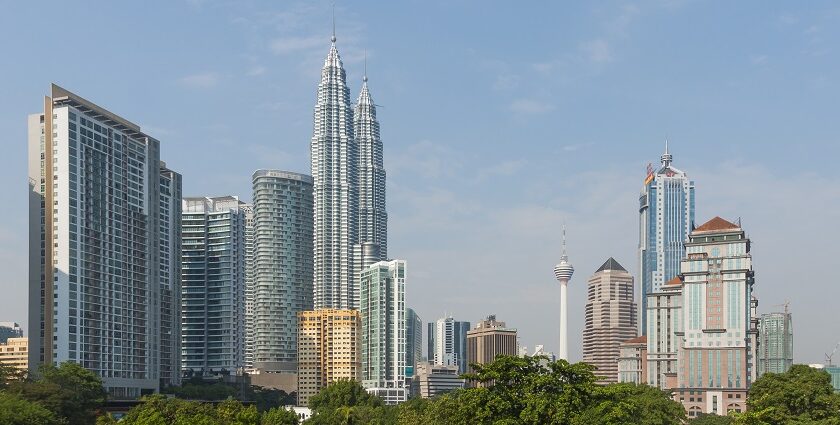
667	158
564	256
364	78
333	22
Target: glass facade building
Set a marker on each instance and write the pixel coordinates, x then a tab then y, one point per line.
212	286
384	330
775	348
447	343
103	263
666	215
282	265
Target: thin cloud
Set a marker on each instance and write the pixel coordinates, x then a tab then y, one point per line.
201	80
597	51
286	45
256	71
530	106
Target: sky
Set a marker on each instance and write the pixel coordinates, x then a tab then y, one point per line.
500	122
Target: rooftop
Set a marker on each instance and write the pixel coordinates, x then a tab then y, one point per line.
717	224
637	340
611	264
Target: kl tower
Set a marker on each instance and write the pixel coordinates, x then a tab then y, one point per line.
563	273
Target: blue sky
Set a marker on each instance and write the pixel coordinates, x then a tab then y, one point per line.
499	121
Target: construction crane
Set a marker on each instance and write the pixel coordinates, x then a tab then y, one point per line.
828	357
785	304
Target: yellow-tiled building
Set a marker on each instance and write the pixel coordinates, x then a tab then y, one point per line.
15	352
328	349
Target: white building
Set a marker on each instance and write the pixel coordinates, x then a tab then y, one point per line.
282	266
448	343
213	285
101	260
383	330
664	313
433	380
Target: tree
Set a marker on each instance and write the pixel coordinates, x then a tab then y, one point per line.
68	390
15	410
619	404
347	403
711	420
279	416
800	395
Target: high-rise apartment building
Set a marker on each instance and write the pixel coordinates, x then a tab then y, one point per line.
329	349
447	343
717	356
95	238
413	340
664	313
248	211
170	277
282	266
383	330
610	318
373	218
14	352
632	361
213	285
335	167
775	347
666	215
10	330
489	339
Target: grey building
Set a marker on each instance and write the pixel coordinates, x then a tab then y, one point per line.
282	265
447	343
433	380
170	277
99	244
335	177
249	286
413	341
10	330
213	285
775	346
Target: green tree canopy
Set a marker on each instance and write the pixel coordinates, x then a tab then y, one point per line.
15	410
802	395
619	404
68	390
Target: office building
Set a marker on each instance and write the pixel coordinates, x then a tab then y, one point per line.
447	343
282	266
433	380
775	347
666	215
664	313
489	338
335	167
10	330
248	211
15	353
563	272
96	231
717	359
213	286
170	277
383	330
610	318
373	218
413	341
329	349
632	361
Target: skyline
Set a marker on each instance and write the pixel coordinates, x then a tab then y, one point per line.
431	166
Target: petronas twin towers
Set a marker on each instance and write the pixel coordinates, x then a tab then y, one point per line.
351	224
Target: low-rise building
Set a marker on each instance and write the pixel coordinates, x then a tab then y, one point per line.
434	380
15	353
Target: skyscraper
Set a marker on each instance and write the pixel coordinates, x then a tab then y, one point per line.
563	272
775	348
373	219
213	285
666	215
335	167
610	318
664	313
170	277
248	211
329	349
282	265
717	355
98	245
489	339
383	330
448	343
413	340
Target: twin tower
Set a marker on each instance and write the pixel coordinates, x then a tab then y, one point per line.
351	224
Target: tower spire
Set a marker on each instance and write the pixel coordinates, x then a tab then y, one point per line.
333	22
666	157
364	78
564	241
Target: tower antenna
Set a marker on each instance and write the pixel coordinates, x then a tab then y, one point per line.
333	22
